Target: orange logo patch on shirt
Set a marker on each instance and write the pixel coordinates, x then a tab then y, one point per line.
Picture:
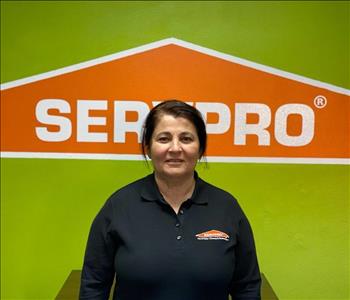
213	235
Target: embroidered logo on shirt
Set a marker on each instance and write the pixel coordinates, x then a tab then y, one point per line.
213	235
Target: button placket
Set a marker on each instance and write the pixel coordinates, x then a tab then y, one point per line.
179	225
178	229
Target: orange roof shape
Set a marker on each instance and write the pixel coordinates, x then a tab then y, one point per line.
212	234
253	112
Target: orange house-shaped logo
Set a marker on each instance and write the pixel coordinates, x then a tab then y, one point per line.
254	113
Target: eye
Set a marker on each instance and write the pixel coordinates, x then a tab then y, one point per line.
163	139
186	139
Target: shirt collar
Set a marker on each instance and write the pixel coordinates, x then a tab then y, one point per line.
150	191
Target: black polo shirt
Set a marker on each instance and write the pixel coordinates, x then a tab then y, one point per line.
206	251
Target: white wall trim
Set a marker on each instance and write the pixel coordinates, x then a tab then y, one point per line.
226	159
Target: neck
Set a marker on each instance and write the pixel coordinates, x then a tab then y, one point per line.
175	191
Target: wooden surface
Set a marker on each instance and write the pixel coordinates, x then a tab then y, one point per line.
70	288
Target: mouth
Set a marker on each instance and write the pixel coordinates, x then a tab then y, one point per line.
174	161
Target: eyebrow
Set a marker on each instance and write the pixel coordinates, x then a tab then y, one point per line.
168	133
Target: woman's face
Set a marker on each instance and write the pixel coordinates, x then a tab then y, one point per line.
174	147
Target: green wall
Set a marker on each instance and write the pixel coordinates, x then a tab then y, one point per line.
299	213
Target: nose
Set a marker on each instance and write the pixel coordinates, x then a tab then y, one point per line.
175	146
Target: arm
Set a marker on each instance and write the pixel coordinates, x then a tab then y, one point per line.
246	279
98	270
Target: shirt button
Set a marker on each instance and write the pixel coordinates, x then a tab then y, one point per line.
179	237
181	212
177	224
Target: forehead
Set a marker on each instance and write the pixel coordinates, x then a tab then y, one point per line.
173	124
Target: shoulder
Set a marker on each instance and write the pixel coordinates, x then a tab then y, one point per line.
213	190
121	201
130	191
219	197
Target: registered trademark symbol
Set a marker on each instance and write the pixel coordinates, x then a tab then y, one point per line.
320	101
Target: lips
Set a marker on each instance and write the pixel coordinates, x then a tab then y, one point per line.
174	160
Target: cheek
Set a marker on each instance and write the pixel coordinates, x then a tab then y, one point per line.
157	151
193	153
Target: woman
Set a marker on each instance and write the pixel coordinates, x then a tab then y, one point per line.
170	235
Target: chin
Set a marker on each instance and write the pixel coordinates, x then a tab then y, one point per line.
176	172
